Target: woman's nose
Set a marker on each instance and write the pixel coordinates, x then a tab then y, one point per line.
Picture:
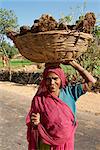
52	81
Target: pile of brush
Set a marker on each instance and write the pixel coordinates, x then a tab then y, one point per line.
48	23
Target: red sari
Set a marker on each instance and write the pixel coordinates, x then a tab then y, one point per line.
57	126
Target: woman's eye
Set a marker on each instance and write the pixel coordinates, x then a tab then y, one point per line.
48	79
55	78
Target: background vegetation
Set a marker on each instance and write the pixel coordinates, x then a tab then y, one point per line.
17	63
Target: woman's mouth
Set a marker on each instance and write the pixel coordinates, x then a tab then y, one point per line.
52	88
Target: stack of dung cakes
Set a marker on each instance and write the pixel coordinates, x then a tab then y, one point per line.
49	41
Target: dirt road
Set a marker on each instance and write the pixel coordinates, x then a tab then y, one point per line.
14	104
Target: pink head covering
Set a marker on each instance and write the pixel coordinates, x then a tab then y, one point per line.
58	71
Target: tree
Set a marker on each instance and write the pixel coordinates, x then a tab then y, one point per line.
10	50
8	20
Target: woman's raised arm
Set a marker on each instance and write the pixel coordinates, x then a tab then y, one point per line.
84	73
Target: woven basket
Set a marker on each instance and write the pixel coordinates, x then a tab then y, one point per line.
52	46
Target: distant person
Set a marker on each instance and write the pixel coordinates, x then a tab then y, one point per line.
5	60
51	121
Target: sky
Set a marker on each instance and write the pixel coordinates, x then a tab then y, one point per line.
29	10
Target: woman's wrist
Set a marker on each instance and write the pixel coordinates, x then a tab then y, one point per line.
76	65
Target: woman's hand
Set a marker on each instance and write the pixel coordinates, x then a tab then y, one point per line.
69	62
66	62
35	118
73	63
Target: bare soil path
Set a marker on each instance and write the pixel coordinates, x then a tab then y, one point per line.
14	105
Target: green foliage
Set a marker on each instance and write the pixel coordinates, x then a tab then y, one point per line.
68	69
97	32
9	50
7	20
66	19
90	60
17	63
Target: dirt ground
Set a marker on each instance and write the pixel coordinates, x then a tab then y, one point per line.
15	101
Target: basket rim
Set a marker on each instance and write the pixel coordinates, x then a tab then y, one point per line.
63	32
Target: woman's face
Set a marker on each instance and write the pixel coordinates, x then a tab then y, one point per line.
53	82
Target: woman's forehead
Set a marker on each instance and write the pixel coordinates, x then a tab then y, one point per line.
52	74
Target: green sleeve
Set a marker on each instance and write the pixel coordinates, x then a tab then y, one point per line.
76	91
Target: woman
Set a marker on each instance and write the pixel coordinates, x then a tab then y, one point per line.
52	120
